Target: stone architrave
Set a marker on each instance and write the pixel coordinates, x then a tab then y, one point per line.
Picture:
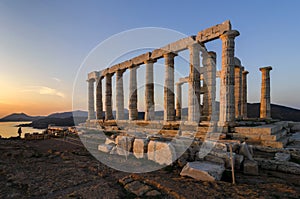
149	92
227	101
99	103
238	89
178	100
133	111
244	94
108	97
91	99
119	95
194	84
265	99
169	100
209	84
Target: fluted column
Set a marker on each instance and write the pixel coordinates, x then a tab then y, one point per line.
178	101
119	95
194	84
227	101
169	101
209	81
149	92
99	103
244	94
108	98
133	111
238	91
265	99
91	99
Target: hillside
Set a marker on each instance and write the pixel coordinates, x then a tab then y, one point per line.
16	117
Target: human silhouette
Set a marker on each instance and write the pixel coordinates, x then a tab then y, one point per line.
19	131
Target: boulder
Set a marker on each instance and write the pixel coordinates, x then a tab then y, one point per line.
162	153
140	146
250	167
282	156
203	170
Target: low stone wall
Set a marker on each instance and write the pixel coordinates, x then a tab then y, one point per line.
36	136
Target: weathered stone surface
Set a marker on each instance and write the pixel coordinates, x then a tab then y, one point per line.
106	148
244	150
282	156
137	188
140	147
250	167
265	98
275	165
109	141
238	159
162	153
213	32
153	193
125	142
217	160
141	58
203	170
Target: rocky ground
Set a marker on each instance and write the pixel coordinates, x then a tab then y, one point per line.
57	169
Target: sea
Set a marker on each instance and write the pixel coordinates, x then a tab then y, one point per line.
10	129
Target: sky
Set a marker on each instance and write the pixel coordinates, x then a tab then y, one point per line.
47	47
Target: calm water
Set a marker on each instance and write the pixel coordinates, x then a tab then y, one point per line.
8	129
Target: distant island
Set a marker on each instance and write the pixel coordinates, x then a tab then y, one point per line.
67	118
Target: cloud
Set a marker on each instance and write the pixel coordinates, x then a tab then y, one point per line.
43	90
56	79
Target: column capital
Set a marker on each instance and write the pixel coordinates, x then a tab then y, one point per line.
231	34
195	46
150	61
121	71
169	55
245	72
267	68
91	80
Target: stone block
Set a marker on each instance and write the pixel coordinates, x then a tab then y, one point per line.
106	148
125	142
140	147
238	160
282	156
250	167
137	188
214	159
244	150
162	153
109	141
203	170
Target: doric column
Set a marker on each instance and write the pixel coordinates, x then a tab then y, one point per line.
238	89
108	97
178	101
265	99
133	111
194	84
149	92
99	103
209	81
91	99
119	95
244	94
169	103
227	101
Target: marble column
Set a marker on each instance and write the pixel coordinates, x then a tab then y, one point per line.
119	95
244	94
133	111
99	103
227	101
265	99
91	99
238	91
178	100
149	92
169	101
108	98
209	78
194	84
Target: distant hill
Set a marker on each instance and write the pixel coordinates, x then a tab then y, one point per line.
77	113
16	117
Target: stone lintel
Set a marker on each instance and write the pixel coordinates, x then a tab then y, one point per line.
180	45
141	58
265	68
213	32
158	53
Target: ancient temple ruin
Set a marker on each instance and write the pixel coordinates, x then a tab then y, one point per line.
233	83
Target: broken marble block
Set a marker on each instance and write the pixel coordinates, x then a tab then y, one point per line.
282	157
203	170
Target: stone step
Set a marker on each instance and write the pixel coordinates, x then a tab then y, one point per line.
281	143
274	137
269	129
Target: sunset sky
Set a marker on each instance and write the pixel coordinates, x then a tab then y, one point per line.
44	43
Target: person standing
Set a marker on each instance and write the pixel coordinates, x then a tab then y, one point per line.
20	132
